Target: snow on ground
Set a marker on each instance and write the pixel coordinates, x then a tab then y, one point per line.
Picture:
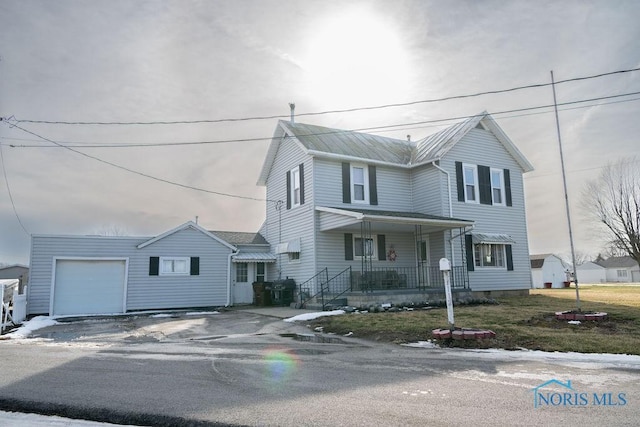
29	326
201	313
34	420
312	316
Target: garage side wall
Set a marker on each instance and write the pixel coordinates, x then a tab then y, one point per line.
207	289
44	249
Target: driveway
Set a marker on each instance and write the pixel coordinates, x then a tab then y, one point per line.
248	367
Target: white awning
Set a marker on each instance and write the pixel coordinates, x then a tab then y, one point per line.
292	246
254	257
495	239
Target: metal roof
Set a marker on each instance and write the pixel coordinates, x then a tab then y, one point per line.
254	257
491	238
618	261
241	238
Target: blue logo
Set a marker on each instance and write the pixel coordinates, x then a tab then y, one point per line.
564	395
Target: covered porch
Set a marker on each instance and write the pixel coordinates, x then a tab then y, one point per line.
389	251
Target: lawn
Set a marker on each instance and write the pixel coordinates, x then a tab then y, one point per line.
519	322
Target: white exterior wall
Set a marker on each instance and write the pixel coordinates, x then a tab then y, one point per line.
430	191
480	147
209	288
590	272
289	224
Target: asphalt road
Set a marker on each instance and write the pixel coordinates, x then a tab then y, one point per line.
243	368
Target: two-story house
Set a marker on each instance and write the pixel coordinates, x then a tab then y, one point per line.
352	213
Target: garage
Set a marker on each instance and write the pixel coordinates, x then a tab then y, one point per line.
89	286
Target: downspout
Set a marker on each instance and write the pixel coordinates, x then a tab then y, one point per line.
450	205
234	252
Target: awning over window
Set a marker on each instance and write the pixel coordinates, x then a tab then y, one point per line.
254	257
292	246
495	239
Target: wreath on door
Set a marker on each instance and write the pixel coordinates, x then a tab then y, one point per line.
392	255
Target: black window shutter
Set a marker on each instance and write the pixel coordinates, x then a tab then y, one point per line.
154	265
423	251
507	187
288	189
348	247
509	257
468	243
195	266
460	181
301	175
382	248
484	184
346	183
373	186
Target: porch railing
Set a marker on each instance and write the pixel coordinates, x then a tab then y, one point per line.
418	278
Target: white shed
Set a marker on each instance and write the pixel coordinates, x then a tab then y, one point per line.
590	272
548	268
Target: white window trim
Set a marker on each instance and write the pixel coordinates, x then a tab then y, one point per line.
622	273
365	184
246	266
502	189
489	267
374	249
187	261
295	185
475	184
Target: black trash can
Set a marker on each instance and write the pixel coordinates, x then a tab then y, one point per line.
262	293
282	291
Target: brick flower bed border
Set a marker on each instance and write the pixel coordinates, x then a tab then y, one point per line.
462	334
569	315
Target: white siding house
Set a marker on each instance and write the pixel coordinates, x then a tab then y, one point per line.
375	214
78	275
622	269
548	268
590	272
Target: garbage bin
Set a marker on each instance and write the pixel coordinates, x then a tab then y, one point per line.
262	293
282	291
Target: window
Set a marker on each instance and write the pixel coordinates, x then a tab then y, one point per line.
497	186
489	255
364	247
260	275
622	273
295	186
242	272
174	265
294	256
360	184
470	183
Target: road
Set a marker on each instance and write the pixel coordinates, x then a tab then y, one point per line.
244	368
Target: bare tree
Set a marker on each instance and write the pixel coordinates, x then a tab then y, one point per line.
613	199
111	230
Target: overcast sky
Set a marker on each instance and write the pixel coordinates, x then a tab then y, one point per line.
146	61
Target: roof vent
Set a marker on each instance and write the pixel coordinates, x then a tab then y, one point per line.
293	109
408	138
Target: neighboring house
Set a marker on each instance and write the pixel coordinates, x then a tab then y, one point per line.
353	212
623	269
75	275
590	272
16	271
548	268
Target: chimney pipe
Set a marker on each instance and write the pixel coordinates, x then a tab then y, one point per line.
293	108
408	138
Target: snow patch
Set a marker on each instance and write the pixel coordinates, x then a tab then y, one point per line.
29	326
312	316
421	344
201	313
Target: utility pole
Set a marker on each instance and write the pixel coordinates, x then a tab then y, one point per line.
566	196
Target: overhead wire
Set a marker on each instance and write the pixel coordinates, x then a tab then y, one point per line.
335	111
13	204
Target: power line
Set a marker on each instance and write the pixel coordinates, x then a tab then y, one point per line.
375	128
347	110
6	180
166	181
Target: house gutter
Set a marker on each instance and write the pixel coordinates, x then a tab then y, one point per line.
450	204
234	252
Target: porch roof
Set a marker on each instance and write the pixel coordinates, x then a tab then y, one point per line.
254	257
349	219
492	238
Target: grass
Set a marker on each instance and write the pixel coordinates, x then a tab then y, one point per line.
519	322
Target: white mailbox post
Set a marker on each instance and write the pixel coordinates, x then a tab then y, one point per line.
445	267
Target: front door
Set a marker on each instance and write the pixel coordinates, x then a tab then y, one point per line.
246	273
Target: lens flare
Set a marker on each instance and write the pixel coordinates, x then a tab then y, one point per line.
280	365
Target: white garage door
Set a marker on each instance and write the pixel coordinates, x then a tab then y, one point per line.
89	287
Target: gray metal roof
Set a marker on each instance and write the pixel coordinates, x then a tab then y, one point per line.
435	146
618	262
241	238
400	214
352	144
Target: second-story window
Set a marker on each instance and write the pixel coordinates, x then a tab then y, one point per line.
359	183
470	183
295	186
497	186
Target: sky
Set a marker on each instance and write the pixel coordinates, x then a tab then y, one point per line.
175	61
